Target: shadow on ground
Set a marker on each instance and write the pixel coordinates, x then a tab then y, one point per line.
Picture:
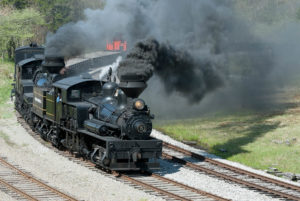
250	130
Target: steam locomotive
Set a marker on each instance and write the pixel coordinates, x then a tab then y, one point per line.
102	121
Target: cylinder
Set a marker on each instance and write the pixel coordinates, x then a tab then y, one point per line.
95	126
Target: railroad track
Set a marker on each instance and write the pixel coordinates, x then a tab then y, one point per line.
151	183
22	186
167	188
272	187
251	180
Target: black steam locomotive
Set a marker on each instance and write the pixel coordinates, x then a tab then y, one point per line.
102	121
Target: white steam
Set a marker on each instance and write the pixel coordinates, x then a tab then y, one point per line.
105	70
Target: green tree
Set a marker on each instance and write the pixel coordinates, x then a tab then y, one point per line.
21	20
18	4
16	28
59	12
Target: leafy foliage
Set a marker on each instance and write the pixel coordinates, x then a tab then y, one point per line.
24	20
16	27
6	78
59	12
18	4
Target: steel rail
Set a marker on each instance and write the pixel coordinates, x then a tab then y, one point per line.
28	177
18	191
230	178
140	183
169	194
232	168
191	188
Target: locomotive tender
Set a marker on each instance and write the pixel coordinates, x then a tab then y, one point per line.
102	121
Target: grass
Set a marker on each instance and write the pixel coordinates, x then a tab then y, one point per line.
257	139
6	78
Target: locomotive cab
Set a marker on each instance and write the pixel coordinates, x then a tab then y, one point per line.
24	74
23	86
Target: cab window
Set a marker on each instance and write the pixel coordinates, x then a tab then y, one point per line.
75	94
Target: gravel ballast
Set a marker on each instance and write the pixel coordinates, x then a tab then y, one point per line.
209	183
84	184
168	139
6	197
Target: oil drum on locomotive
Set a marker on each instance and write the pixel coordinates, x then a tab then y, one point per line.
102	121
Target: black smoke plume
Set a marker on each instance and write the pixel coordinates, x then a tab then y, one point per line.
199	46
68	41
177	69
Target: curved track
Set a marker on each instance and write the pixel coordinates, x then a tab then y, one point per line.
151	183
168	188
173	190
23	186
200	163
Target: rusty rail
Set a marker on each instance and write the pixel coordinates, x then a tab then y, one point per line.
28	177
167	193
210	195
234	169
18	191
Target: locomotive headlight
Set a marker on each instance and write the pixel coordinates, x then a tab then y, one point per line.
139	104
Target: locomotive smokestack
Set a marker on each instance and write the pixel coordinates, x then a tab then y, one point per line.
132	85
53	64
133	89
